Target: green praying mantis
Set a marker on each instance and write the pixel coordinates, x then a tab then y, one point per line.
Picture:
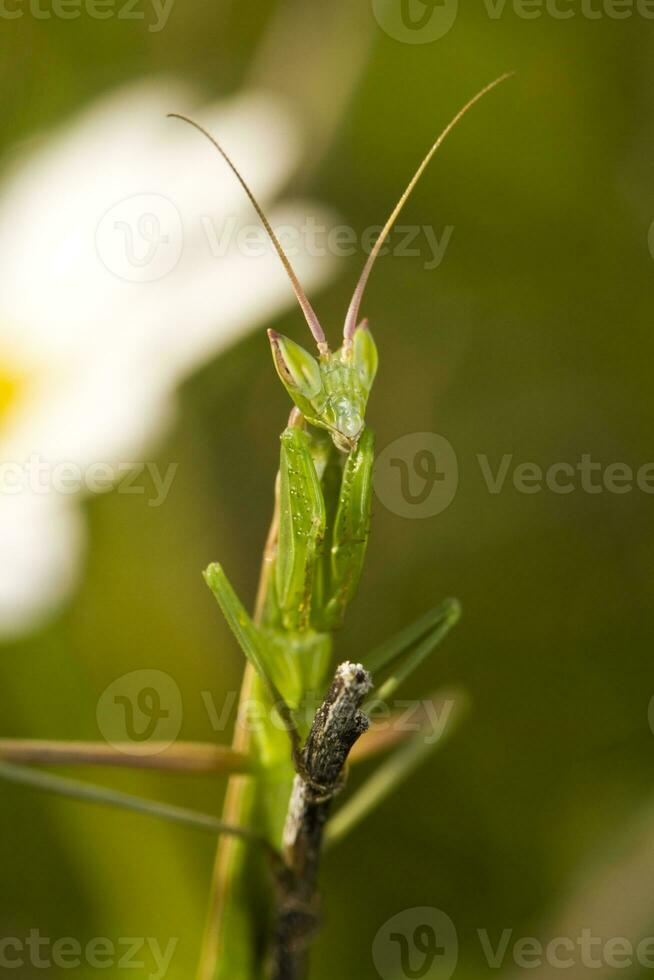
312	564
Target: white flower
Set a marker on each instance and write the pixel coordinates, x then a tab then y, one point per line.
121	272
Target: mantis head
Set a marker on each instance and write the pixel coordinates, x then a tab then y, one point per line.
331	391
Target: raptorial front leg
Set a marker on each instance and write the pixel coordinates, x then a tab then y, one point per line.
301	526
349	537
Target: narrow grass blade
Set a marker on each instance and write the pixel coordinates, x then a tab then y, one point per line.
91	793
427	632
387	778
251	643
447	612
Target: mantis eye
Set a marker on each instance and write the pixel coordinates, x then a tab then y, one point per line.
364	354
298	370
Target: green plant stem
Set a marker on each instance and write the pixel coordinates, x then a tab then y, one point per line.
191	757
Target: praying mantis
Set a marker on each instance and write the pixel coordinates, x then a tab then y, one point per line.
312	564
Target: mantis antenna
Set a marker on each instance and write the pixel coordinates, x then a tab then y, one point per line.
307	309
353	311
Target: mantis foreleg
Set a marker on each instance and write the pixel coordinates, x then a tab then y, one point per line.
301	528
351	527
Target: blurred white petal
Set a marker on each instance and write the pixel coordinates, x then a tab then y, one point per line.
122	272
52	274
42	540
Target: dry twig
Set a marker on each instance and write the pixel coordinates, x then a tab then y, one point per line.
338	724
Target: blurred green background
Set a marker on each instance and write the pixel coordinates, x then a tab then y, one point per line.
532	338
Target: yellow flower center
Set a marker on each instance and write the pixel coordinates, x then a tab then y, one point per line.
12	387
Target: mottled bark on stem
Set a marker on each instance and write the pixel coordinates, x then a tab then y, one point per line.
338	724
